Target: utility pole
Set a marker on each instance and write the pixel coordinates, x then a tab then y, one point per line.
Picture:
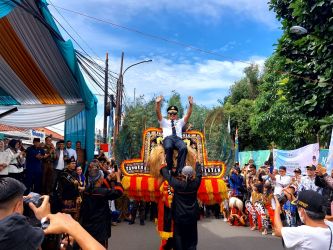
134	97
118	102
106	98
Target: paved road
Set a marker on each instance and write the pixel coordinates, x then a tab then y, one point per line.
213	235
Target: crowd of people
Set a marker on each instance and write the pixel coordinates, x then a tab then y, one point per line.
265	190
266	199
86	191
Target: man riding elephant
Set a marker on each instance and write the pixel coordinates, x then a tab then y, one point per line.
172	133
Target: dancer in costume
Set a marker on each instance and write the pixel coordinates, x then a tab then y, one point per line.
267	197
185	206
255	197
172	133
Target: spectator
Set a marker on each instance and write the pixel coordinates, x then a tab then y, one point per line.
236	183
296	180
185	206
67	190
269	166
4	160
34	157
17	160
80	176
324	181
308	181
48	172
281	180
101	157
61	155
289	208
17	233
71	152
316	233
81	155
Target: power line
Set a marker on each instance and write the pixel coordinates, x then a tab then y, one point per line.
156	37
181	44
77	33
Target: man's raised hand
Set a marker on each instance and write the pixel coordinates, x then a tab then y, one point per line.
190	100
159	99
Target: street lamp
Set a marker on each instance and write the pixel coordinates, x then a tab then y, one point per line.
298	30
119	96
145	61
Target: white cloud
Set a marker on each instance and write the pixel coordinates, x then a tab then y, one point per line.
162	76
208	10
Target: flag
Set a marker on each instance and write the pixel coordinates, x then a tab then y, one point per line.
236	147
329	165
229	128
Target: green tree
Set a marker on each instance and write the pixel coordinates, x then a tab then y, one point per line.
308	58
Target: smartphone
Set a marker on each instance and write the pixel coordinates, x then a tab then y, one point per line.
115	168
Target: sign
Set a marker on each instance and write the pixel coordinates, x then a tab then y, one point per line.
37	134
259	157
323	154
136	168
297	158
329	163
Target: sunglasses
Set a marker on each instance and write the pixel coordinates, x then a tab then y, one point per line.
172	113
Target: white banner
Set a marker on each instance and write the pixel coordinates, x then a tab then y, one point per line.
297	158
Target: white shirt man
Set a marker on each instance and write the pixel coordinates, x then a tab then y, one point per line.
308	181
167	127
281	181
172	133
71	152
316	233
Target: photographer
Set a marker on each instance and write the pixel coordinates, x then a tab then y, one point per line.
316	233
17	233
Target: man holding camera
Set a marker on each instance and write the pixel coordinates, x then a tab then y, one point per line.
316	233
17	234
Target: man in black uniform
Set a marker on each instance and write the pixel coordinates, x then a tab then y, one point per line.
185	207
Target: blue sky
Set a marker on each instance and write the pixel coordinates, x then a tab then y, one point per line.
238	31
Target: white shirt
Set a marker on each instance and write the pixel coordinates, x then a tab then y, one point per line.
167	128
280	183
71	152
12	168
307	238
4	158
308	183
61	163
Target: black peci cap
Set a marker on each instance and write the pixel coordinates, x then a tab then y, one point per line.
311	201
172	108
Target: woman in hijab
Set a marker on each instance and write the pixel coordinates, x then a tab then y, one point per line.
4	160
95	214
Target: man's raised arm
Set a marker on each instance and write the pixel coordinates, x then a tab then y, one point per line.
158	107
189	110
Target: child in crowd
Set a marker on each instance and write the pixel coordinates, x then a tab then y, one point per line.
290	209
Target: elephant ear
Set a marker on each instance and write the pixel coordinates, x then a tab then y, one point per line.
155	160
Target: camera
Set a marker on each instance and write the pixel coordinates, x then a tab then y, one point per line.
35	198
282	198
